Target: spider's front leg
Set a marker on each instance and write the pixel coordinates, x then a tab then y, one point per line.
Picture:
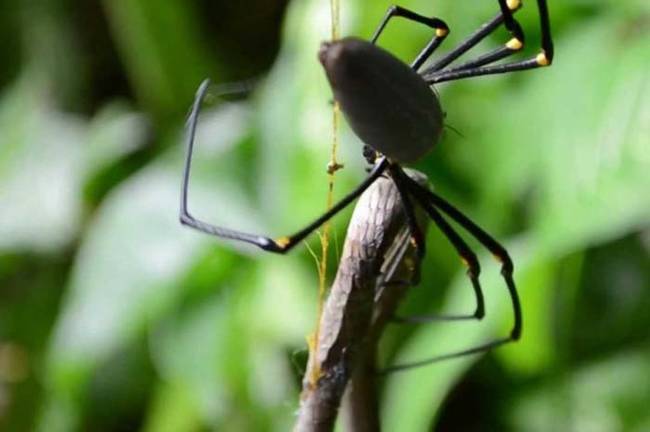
440	27
482	65
280	244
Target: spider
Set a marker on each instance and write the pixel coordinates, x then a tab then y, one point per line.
390	106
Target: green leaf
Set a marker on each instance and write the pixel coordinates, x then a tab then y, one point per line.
173	409
412	398
46	156
604	395
127	269
114	132
161	49
41	170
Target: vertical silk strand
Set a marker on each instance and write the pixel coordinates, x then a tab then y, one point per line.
332	167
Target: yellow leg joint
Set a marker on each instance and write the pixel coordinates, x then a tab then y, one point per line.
513	4
542	60
514	44
282	241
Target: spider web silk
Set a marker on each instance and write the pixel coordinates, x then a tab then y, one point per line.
332	167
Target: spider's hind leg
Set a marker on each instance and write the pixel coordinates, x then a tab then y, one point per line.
431	204
416	233
468	257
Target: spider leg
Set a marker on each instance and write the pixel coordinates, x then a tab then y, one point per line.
407	205
475	350
278	245
504	17
477	67
440	27
467	256
428	197
430	202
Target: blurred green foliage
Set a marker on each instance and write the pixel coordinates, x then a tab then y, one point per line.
114	317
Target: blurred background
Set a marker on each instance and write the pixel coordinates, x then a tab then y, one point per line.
113	317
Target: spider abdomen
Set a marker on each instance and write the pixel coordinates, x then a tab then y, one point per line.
387	104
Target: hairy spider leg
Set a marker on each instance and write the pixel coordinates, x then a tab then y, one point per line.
278	245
